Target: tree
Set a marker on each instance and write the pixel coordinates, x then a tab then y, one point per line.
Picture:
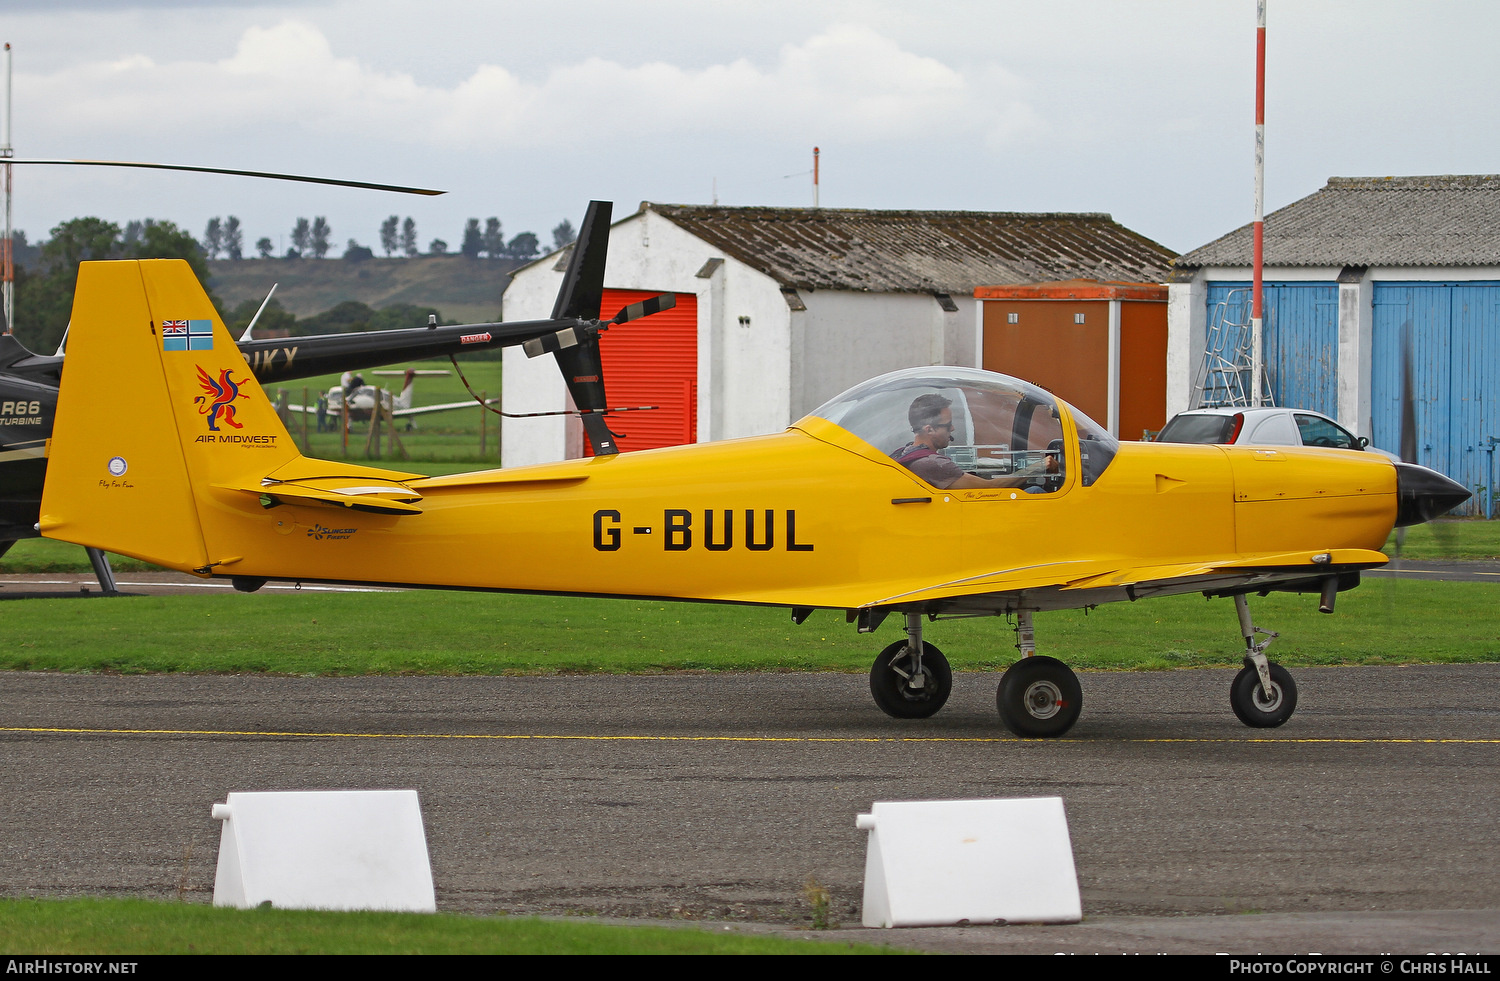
563	234
234	239
320	235
301	235
263	246
355	252
523	246
213	238
164	240
473	239
388	235
81	239
494	241
44	301
437	247
350	315
409	237
132	232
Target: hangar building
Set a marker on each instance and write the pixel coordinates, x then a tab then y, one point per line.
1348	272
779	309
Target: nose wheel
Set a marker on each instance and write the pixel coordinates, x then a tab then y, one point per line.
1257	707
1263	694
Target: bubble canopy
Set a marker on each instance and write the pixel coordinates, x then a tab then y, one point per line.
1001	425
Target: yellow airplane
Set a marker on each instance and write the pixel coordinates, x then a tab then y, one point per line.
188	467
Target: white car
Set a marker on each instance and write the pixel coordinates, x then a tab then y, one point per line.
1262	427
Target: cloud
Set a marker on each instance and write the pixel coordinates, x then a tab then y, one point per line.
847	83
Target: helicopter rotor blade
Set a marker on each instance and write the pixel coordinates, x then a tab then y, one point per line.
645	308
398	188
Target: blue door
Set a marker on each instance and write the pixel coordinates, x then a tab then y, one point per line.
1454	337
1301	338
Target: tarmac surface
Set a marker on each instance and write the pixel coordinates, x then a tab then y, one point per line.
1367	824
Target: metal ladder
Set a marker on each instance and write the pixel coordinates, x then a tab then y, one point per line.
1224	377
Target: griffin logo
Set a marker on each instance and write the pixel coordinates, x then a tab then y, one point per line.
217	400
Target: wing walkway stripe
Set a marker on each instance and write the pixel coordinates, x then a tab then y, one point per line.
728	739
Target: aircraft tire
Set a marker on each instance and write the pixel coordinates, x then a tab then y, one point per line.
1039	697
896	697
1251	707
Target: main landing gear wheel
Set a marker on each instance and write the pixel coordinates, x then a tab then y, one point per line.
905	692
1251	705
1039	696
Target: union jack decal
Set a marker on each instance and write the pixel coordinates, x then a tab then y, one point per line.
187	335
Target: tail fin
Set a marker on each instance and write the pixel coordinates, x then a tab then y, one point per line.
160	423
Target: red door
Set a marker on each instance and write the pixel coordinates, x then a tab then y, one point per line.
652	361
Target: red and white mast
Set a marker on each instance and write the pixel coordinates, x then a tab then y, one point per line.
1257	336
815	177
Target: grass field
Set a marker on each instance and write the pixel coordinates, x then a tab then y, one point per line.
456	633
452	438
112	927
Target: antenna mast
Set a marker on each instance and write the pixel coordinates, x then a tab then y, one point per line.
7	257
815	177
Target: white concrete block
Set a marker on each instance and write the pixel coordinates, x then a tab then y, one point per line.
334	849
937	863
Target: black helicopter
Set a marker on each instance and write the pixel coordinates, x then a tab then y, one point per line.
29	382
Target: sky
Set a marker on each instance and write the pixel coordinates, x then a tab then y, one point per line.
526	111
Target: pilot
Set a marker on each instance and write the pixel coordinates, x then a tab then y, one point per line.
931	418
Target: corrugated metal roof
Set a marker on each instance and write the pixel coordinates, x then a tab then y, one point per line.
921	251
1375	221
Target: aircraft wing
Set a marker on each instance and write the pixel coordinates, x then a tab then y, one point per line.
418	410
1063	585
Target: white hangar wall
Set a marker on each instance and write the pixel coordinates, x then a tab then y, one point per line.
844	338
761	364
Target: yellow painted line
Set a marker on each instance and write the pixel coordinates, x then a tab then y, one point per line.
737	739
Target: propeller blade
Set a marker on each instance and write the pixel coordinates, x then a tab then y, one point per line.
645	308
1408	448
398	188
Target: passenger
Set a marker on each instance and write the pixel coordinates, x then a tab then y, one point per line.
931	418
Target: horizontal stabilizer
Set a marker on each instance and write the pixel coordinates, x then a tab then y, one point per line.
382	498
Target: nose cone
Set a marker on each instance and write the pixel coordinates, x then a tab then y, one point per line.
1423	494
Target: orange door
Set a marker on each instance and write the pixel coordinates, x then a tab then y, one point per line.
653	361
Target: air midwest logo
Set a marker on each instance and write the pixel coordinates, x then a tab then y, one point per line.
337	534
217	400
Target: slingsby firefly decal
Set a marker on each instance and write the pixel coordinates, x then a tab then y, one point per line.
319	532
217	402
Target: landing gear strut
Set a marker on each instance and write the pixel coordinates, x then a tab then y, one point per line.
911	678
1038	696
1263	694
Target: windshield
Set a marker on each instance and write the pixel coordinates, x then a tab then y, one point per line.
1317	431
1204	428
1001	427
